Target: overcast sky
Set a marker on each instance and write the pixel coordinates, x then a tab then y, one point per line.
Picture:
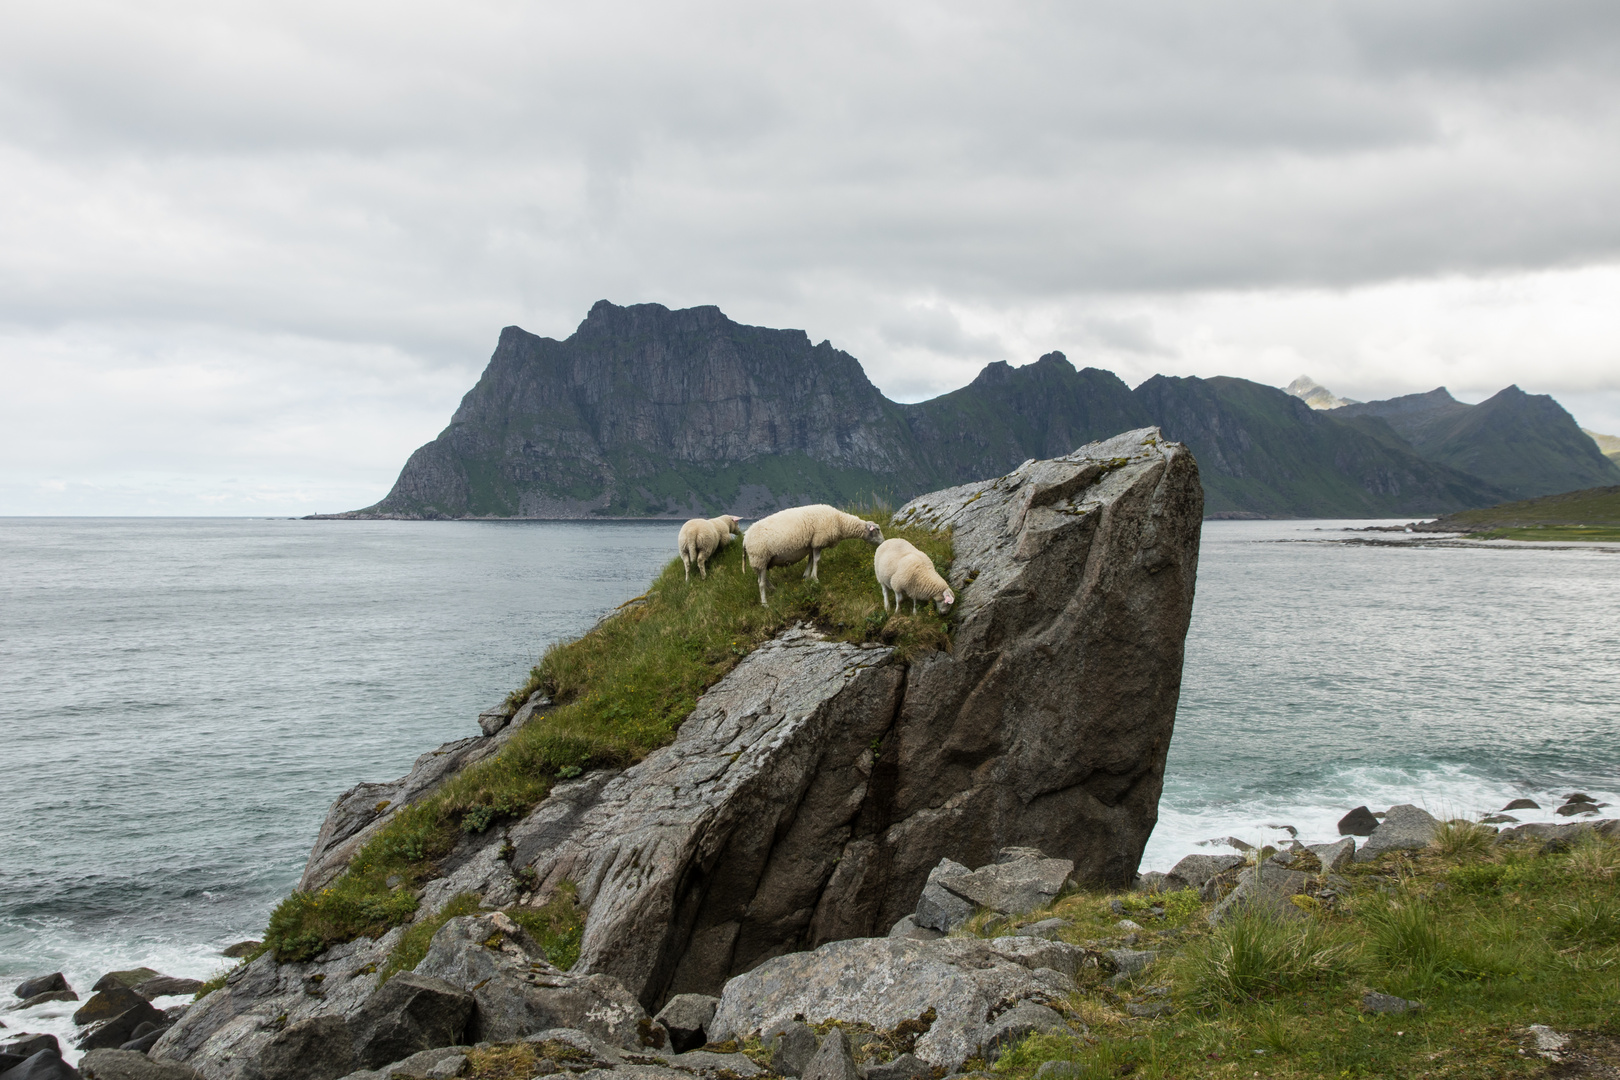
251	255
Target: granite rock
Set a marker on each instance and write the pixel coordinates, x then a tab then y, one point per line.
1404	828
130	1065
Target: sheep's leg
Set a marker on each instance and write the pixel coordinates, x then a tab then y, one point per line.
703	568
914	605
763	571
688	564
815	557
884	589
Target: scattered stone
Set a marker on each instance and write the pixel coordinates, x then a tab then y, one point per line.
129	979
1387	1004
408	1014
904	1067
1131	963
1046	928
107	1003
833	1059
1036	953
45	1065
792	1044
1266	890
28	1045
939	908
494	718
1194	871
685	1017
1358	822
129	1065
1151	882
113	1033
43	999
1018	1023
1579	796
1522	804
1571	809
908	929
1227	841
1548	1041
1129	926
167	986
1498	819
241	949
437	1064
1289	829
1150	1009
1404	828
1013	888
1059	1070
1335	856
43	984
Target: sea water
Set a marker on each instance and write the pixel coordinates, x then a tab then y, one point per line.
181	700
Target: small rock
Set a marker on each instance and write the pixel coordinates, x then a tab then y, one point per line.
938	908
833	1059
1117	906
1195	870
167	986
241	949
27	1046
43	999
1498	819
1358	822
1579	796
1013	854
129	1065
904	1067
1128	926
1522	804
1013	888
685	1017
143	1043
1046	928
45	1065
1059	1070
1387	1004
1150	1009
1018	1023
107	1003
1335	856
1227	841
1151	882
129	979
1130	962
1547	1039
43	984
1571	809
792	1046
1264	890
908	929
492	719
113	1033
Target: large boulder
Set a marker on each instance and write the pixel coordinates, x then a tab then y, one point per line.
815	787
44	1065
107	1003
1015	886
130	1065
411	1013
967	982
1193	871
114	1032
42	984
1404	828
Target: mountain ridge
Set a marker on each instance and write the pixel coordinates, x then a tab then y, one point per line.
647	411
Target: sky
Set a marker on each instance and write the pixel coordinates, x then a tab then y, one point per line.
252	254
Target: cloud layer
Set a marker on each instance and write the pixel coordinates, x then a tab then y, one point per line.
273	244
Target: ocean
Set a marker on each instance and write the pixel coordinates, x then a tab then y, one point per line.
180	700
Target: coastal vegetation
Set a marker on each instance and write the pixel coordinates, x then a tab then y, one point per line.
1589	514
1487	939
617	693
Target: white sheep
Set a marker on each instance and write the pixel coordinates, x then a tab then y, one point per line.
787	536
907	572
701	538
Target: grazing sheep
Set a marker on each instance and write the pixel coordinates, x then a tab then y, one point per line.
787	536
701	538
900	567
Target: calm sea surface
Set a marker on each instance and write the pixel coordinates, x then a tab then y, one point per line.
180	700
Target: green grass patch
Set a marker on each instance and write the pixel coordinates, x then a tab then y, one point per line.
620	691
1488	941
1563	533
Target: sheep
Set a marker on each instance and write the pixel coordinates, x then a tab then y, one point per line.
903	569
701	538
787	536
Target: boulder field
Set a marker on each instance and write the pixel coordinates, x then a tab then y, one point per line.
800	812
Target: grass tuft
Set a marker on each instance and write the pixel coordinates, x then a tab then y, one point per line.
1459	839
1251	956
620	691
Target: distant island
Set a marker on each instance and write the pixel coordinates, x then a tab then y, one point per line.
651	412
1593	514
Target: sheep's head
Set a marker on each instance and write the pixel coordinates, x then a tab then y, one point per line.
946	599
731	520
874	535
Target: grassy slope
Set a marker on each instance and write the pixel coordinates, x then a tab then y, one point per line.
1490	938
621	691
1592	514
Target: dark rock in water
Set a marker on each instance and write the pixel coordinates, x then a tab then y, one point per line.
792	1044
1374	1002
1192	871
114	1032
1574	808
1579	796
686	1017
1522	804
44	1065
1498	819
108	1003
130	979
241	949
1018	1023
26	1046
167	986
1404	828
412	1012
320	1048
904	1067
129	1065
43	999
43	984
833	1059
1358	822
9	1061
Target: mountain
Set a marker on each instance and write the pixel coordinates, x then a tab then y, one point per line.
1527	444
1608	445
649	412
1316	395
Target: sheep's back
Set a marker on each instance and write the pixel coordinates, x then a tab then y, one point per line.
888	557
698	537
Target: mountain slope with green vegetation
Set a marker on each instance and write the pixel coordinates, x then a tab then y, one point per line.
1592	514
